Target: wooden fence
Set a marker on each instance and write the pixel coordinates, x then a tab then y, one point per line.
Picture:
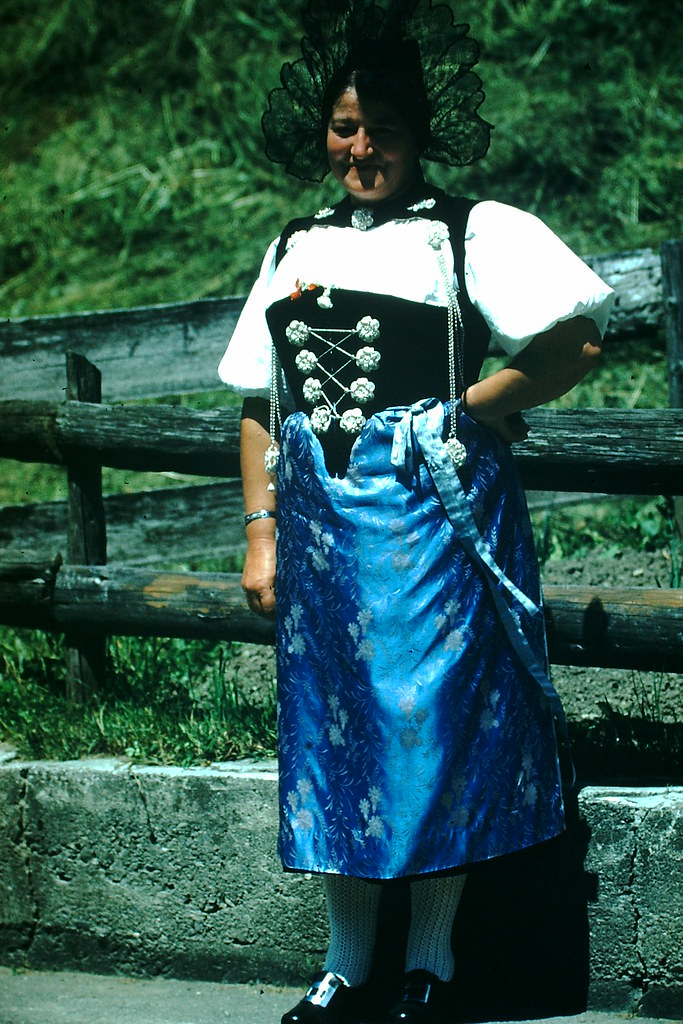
93	566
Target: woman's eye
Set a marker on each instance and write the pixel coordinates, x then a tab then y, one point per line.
343	130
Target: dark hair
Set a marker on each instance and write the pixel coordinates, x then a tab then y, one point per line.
392	75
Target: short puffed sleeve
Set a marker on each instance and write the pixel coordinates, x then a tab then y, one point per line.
246	363
523	279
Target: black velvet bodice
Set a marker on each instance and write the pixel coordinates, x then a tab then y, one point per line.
411	342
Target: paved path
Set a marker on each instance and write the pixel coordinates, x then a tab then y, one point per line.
29	997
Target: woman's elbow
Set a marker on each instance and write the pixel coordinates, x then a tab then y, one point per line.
591	349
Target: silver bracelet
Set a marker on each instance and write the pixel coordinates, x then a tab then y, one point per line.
261	513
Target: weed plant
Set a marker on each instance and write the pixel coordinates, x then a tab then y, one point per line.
627	749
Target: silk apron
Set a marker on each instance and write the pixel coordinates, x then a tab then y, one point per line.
416	720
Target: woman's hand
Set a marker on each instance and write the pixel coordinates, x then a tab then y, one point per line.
258	575
510	428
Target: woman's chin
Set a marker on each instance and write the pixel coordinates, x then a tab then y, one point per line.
368	190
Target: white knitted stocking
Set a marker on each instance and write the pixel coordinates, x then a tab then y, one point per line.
433	903
352	907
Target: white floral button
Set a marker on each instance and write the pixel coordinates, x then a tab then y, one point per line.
352	421
368	359
325	300
312	389
297	332
362	390
306	360
362	218
367	329
321	417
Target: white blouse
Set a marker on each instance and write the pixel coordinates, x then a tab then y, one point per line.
520	276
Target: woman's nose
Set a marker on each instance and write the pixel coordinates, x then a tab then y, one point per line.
361	146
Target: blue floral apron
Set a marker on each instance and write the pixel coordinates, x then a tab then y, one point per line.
417	722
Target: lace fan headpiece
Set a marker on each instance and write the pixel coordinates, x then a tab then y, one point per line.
409	46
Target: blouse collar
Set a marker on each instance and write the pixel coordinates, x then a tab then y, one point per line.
419	197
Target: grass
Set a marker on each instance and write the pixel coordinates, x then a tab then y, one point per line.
626	749
132	172
132	167
183	703
167	702
639	524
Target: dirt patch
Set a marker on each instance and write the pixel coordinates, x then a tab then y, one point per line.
254	666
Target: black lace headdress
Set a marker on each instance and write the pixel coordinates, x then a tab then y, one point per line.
410	40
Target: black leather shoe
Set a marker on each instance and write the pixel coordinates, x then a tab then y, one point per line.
329	1000
419	1003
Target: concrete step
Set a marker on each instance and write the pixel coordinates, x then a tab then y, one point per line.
108	867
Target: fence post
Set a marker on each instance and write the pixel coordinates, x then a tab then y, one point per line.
86	542
672	299
672	294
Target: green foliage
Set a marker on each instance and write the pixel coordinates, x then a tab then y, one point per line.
133	168
640	524
167	701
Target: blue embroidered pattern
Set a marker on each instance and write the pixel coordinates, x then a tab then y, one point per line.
416	717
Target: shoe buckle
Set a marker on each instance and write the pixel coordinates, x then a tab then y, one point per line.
322	990
418	991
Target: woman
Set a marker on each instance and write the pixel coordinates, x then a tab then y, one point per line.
417	724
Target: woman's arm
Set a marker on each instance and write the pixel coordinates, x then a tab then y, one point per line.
548	367
258	575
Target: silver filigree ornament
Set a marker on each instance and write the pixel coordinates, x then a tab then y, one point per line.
326	211
306	360
362	218
437	237
362	390
325	300
271	455
457	452
367	329
270	461
352	421
312	389
367	359
424	204
321	418
297	333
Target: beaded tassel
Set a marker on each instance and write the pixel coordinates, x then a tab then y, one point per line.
456	371
272	453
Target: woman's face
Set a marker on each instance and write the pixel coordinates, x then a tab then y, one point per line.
371	150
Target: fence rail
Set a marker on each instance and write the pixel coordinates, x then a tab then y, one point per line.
616	627
172	349
620	451
161	350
